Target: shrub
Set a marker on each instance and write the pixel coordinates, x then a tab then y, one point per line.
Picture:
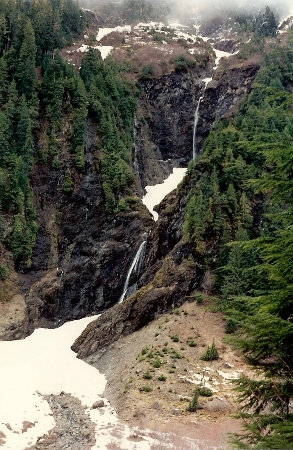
231	326
193	405
205	392
211	354
4	271
146	389
192	344
157	363
182	63
147	71
162	378
199	299
175	338
147	376
144	351
68	183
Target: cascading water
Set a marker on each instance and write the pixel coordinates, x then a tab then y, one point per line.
196	117
135	266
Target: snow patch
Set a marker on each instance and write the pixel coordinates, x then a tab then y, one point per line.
105	31
44	364
104	49
231	375
41	364
155	194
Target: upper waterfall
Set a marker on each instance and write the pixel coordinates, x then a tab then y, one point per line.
196	117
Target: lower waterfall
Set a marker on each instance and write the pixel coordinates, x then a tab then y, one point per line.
135	266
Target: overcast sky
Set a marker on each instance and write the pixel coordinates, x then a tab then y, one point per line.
212	7
284	7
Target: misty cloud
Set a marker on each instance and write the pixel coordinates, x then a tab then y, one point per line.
202	8
283	8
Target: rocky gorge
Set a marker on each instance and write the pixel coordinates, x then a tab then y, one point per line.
74	262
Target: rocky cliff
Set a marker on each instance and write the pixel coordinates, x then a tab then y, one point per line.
83	254
172	268
164	123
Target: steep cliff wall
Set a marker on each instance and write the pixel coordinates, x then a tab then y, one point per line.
165	115
173	269
164	123
82	253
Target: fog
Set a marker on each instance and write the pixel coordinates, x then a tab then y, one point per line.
210	8
203	8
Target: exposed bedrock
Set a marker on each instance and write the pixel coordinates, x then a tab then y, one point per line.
165	116
83	254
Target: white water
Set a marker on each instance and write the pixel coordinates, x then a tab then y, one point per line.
134	266
155	194
219	56
196	117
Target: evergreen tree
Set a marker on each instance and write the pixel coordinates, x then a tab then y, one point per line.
235	280
26	72
4	83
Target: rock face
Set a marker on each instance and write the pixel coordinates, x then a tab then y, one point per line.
164	123
172	269
224	94
165	117
169	277
83	254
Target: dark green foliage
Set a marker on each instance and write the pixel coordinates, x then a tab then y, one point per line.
4	271
211	354
182	63
193	405
26	72
162	378
28	30
266	23
205	392
112	103
231	326
147	71
199	299
68	182
243	192
55	23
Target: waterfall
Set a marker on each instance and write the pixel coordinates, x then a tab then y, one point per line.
135	266
196	117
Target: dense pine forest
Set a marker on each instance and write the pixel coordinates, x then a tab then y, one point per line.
239	214
40	96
